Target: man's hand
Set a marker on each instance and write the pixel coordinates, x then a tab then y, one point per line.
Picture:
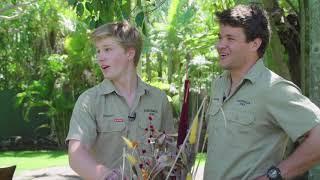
115	174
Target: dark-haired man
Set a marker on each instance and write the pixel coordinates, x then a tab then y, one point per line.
253	112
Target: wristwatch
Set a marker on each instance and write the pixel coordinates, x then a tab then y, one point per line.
274	173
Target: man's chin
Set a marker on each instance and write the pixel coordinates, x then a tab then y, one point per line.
107	77
223	65
111	78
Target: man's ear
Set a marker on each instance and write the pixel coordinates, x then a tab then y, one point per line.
255	44
131	52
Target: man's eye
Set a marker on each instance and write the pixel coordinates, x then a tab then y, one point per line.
107	49
98	51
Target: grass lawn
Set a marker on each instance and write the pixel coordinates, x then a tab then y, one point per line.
202	158
29	160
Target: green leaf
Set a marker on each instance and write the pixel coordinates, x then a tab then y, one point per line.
80	9
139	19
89	6
14	2
92	23
72	2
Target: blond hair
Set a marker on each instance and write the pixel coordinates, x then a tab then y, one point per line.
125	34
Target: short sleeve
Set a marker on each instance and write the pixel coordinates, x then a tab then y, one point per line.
291	110
82	123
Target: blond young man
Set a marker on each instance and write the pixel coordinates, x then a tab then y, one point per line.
121	105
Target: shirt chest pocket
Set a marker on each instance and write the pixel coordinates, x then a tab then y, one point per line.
147	121
240	118
147	126
212	116
234	120
213	111
111	125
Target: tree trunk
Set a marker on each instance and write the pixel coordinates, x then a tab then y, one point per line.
275	56
285	39
314	66
304	45
276	59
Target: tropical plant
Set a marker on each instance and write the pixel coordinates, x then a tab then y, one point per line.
158	157
48	80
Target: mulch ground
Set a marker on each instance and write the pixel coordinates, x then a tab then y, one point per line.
53	173
65	173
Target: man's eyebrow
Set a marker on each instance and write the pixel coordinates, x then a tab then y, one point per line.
227	35
230	35
106	45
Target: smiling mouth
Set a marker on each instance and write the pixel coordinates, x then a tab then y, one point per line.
223	55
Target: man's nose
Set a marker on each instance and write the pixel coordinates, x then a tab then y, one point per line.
101	57
220	44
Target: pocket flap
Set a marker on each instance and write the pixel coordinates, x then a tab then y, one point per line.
213	110
243	118
111	125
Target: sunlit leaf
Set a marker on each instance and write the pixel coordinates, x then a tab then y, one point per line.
132	160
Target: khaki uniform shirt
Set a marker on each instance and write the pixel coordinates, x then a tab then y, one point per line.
101	116
248	131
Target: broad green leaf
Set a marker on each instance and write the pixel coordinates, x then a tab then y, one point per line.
89	6
92	23
139	19
72	2
80	9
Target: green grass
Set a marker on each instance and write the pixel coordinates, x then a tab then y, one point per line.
202	158
30	160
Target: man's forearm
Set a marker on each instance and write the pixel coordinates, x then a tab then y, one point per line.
304	157
83	164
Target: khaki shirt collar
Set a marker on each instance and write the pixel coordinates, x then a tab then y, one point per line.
255	70
107	87
253	73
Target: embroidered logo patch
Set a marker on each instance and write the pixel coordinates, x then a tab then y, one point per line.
243	102
118	120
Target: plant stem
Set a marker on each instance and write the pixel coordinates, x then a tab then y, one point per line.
184	142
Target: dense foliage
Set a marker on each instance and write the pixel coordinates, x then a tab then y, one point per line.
46	56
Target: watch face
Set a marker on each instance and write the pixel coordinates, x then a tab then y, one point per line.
273	173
